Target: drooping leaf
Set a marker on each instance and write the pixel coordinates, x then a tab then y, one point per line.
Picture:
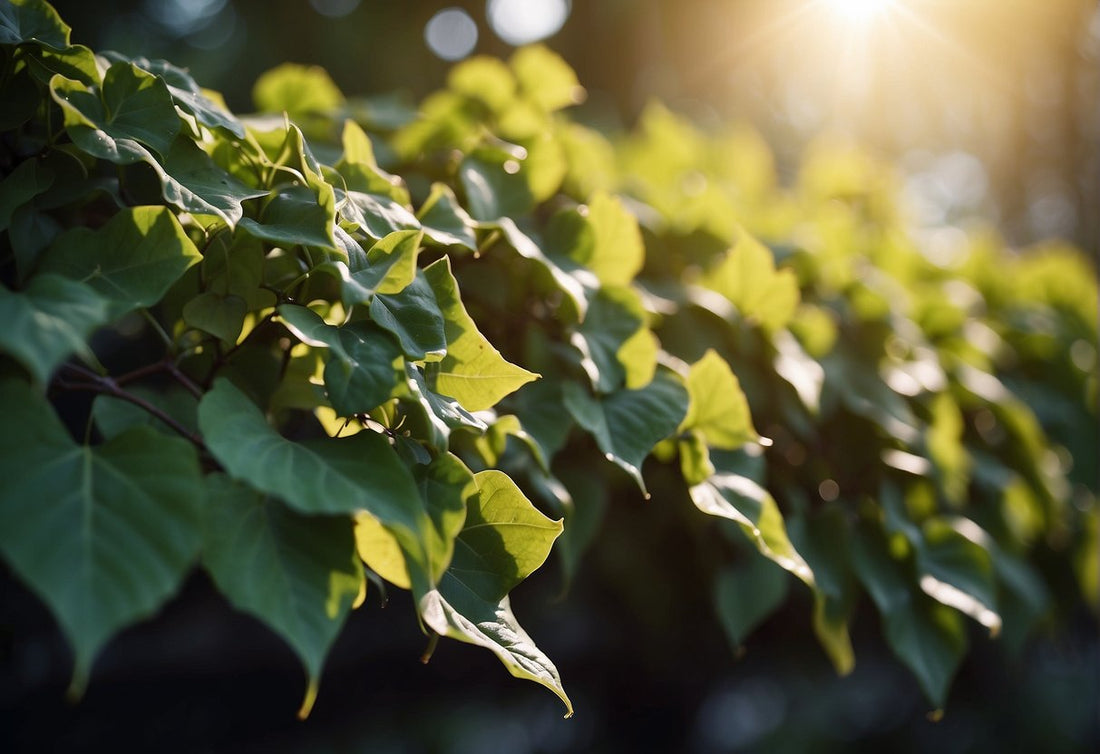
745	595
473	372
360	372
48	321
925	635
743	501
131	261
503	540
718	408
104	534
361	472
627	424
298	574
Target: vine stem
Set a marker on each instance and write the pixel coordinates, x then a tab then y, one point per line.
109	386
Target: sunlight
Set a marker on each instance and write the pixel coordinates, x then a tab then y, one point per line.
859	11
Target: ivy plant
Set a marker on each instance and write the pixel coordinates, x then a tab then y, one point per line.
327	346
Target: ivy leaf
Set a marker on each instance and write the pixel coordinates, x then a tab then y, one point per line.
627	424
191	181
545	78
414	318
957	569
220	315
824	544
603	236
298	574
297	214
928	637
377	215
32	21
495	185
615	342
360	170
717	407
565	273
360	373
503	540
131	261
745	595
48	321
361	472
743	501
747	277
104	534
444	221
132	106
296	89
189	97
473	372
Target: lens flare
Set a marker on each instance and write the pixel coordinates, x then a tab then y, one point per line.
859	11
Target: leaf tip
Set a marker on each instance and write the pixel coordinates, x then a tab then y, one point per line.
308	700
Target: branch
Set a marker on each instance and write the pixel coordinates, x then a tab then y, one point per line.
108	386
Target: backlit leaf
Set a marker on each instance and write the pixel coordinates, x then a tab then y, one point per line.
718	408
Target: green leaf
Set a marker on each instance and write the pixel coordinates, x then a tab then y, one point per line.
627	424
376	215
444	412
747	277
750	506
361	371
189	97
296	89
103	535
717	407
454	611
928	637
485	79
29	179
745	595
298	574
503	540
957	569
444	221
36	21
220	315
361	472
191	181
48	321
545	78
603	236
824	543
131	261
360	170
297	214
495	185
132	106
414	318
390	266
615	342
473	372
565	273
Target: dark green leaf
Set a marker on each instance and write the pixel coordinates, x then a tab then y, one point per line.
629	423
131	261
48	321
103	534
220	315
745	595
32	21
298	574
414	318
297	214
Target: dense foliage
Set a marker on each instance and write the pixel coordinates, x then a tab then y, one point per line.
293	354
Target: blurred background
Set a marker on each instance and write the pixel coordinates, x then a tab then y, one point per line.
989	107
990	111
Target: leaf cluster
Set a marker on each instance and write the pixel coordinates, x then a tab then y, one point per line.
326	348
